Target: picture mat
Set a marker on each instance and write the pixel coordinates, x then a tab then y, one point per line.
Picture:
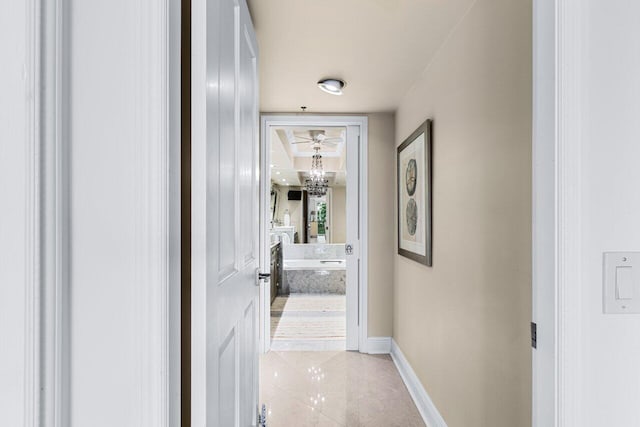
416	242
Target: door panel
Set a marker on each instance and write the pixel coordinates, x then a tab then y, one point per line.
224	203
248	158
248	367
226	387
227	147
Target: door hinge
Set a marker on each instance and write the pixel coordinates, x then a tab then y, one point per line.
534	335
262	417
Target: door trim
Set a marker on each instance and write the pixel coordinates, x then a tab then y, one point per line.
156	213
558	40
268	120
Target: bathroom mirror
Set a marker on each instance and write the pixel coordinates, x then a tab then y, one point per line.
317	219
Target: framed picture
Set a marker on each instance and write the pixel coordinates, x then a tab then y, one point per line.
414	196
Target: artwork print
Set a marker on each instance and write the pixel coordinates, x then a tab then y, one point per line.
414	195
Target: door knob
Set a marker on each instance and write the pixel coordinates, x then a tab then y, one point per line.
348	249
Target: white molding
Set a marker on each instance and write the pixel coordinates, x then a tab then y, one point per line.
544	374
60	381
55	301
363	296
32	190
378	345
264	252
199	412
426	407
557	186
282	119
152	211
175	249
568	210
152	215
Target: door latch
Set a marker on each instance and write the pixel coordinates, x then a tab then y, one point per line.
262	276
534	335
348	249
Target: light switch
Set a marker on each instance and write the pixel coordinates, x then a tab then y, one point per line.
624	282
621	282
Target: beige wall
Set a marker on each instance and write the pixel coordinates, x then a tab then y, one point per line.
338	218
463	324
381	247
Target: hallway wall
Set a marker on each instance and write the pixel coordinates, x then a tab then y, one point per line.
463	324
338	215
381	163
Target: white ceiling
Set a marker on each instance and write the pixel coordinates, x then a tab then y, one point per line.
290	162
379	47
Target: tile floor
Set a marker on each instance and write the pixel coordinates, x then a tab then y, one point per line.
334	388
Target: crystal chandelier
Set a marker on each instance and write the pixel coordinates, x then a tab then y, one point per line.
316	184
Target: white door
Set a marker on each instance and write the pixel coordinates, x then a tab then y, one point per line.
225	215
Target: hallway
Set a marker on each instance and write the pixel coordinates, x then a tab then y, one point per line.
178	227
331	389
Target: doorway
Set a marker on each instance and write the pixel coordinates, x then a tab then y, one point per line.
313	232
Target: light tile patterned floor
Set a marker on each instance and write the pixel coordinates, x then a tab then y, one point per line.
309	318
332	389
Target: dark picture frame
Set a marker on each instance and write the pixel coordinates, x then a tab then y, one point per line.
414	193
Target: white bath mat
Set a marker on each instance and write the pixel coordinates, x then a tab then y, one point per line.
308	317
305	302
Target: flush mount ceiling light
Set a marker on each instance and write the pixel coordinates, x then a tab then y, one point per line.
332	86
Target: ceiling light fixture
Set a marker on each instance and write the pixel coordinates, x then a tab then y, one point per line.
332	86
316	184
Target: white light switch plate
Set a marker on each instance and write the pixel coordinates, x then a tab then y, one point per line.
621	282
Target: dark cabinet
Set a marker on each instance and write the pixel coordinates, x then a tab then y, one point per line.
276	270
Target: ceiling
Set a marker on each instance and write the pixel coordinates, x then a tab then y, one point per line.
379	47
290	161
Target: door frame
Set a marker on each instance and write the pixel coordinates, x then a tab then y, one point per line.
558	53
45	309
268	120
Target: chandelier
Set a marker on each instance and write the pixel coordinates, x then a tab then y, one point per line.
316	184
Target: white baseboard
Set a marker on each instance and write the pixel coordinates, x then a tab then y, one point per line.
428	410
378	345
